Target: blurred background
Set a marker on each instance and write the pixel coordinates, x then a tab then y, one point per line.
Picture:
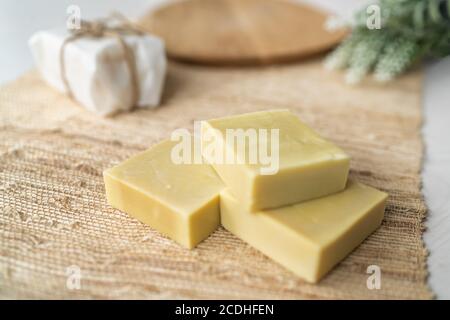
19	19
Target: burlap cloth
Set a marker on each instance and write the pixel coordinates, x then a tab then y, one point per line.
54	213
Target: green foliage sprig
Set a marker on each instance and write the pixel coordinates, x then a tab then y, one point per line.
410	30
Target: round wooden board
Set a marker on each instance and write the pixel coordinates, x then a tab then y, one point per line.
240	31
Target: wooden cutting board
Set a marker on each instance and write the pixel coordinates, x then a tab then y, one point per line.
240	31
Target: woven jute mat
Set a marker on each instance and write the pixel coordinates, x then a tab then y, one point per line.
57	231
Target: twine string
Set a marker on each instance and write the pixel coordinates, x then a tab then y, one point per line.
115	26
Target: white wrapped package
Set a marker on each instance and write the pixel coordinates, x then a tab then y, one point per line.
96	71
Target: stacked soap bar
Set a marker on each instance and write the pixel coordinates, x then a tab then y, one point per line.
310	237
294	204
179	200
304	165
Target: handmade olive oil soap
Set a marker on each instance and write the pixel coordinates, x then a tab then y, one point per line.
270	159
308	238
179	200
96	70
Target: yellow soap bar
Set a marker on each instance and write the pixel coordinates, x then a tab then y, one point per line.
279	161
179	200
311	237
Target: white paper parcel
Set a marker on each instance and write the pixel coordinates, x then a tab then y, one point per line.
96	70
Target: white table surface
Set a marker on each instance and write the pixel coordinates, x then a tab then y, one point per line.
19	19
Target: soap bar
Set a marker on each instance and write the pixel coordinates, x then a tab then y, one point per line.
96	70
311	237
301	165
179	200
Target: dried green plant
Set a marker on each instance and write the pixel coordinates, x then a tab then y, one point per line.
410	30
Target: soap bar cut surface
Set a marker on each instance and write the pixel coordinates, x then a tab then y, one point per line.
308	165
311	237
179	200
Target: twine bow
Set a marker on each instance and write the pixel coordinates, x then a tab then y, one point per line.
116	26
